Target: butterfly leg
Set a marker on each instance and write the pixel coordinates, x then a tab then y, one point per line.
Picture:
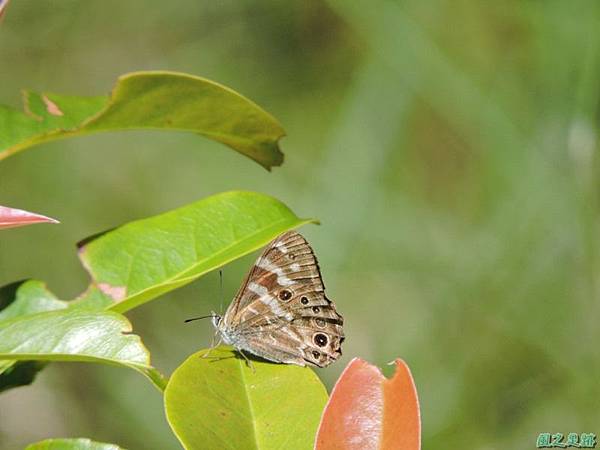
248	362
213	345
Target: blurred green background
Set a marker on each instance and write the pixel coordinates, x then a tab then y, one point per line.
448	147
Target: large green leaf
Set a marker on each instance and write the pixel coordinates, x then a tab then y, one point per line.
144	259
66	335
219	402
17	299
72	444
147	100
136	263
28	297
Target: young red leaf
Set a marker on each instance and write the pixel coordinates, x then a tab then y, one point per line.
10	218
366	411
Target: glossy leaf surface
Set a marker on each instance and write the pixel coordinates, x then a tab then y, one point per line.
147	100
67	335
144	259
219	402
72	444
19	299
27	297
136	263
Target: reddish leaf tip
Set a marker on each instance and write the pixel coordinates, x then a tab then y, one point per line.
366	411
12	217
52	107
117	293
402	402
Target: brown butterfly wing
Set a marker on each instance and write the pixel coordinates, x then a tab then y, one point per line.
281	312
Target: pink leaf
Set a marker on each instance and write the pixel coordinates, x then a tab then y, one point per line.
10	218
366	411
52	107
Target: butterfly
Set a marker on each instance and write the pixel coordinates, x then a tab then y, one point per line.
281	312
3	4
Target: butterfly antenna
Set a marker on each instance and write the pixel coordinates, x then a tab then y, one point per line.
221	287
197	318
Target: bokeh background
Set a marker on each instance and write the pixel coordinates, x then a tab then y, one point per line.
448	147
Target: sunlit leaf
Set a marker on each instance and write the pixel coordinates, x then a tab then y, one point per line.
147	100
366	411
139	261
18	299
144	259
28	297
220	402
72	444
66	335
11	218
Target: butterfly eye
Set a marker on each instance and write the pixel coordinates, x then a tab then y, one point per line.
320	323
316	309
321	340
304	300
316	354
291	256
285	295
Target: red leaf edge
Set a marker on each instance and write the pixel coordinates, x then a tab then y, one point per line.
11	217
366	411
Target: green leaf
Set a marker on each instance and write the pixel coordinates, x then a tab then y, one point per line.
135	263
67	335
8	293
219	402
14	374
147	100
29	297
72	444
17	299
142	260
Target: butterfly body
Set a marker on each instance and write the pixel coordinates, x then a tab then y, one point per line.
281	312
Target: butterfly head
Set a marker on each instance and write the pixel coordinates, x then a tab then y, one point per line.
216	319
221	329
